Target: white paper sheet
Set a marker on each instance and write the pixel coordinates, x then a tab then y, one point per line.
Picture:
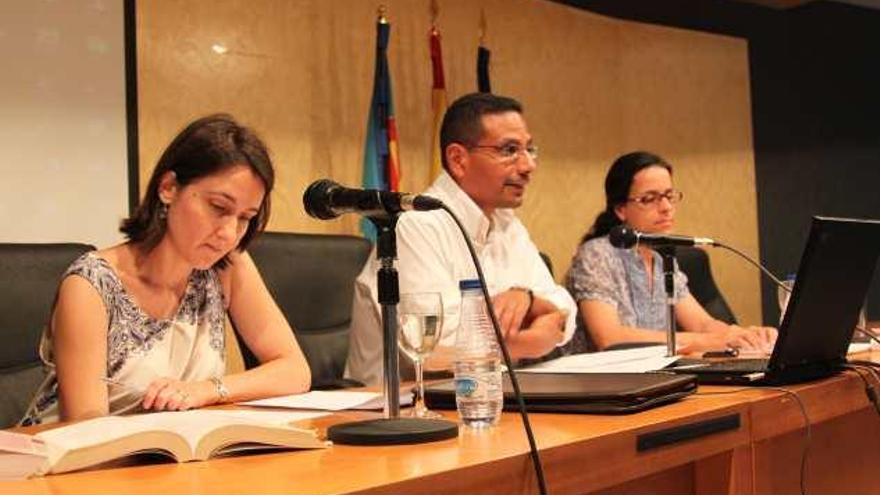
639	360
270	417
330	400
864	346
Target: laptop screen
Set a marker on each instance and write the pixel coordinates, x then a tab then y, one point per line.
833	278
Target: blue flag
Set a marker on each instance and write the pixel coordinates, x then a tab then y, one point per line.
381	161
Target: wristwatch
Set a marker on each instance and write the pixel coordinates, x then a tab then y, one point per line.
222	391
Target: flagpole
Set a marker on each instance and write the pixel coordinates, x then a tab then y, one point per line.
483	55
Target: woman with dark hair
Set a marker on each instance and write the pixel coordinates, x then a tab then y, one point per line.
140	325
620	292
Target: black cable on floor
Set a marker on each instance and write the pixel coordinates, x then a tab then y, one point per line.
808	431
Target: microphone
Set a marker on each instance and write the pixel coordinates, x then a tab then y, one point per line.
622	236
325	200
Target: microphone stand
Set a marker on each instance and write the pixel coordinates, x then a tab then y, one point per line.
667	253
392	429
388	288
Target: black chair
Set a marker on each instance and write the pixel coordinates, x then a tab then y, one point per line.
694	262
311	277
29	277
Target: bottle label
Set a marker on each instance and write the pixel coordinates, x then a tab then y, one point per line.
465	386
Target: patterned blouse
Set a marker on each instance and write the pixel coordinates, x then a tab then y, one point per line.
189	346
601	272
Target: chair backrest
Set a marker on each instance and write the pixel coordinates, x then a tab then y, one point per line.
311	277
694	262
29	277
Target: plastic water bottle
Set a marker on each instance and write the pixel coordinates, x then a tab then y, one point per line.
783	295
861	336
478	394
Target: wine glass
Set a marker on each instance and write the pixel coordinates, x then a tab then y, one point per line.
420	323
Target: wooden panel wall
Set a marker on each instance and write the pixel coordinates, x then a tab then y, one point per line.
300	72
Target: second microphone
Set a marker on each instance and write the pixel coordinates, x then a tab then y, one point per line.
622	236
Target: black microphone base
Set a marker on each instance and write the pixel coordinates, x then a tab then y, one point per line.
392	431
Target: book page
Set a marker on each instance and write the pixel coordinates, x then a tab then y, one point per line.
98	440
90	432
192	425
229	427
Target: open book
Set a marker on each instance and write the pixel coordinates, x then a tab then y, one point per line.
185	436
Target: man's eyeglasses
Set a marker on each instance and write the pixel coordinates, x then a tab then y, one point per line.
653	198
511	151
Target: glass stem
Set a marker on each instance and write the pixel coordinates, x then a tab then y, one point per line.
420	388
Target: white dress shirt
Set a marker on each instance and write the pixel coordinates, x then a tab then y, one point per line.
433	257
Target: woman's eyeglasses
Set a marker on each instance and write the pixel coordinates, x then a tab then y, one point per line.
653	198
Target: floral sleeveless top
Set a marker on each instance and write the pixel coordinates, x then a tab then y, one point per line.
189	346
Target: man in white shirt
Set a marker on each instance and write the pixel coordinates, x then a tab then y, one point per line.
488	160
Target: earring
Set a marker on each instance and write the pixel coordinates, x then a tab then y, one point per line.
163	211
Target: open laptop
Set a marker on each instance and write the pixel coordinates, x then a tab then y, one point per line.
833	278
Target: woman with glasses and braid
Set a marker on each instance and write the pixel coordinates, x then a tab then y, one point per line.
620	292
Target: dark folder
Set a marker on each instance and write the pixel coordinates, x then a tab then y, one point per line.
597	393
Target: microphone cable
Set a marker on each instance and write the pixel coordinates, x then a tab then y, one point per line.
761	267
870	390
808	428
533	448
808	434
858	366
864	331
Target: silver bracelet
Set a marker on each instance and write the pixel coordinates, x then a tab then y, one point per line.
222	391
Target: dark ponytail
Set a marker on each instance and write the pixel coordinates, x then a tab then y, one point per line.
617	185
603	224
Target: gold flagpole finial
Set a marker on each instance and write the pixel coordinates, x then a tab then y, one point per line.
381	13
435	13
483	27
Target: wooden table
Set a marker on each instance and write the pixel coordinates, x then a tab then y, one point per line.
580	453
